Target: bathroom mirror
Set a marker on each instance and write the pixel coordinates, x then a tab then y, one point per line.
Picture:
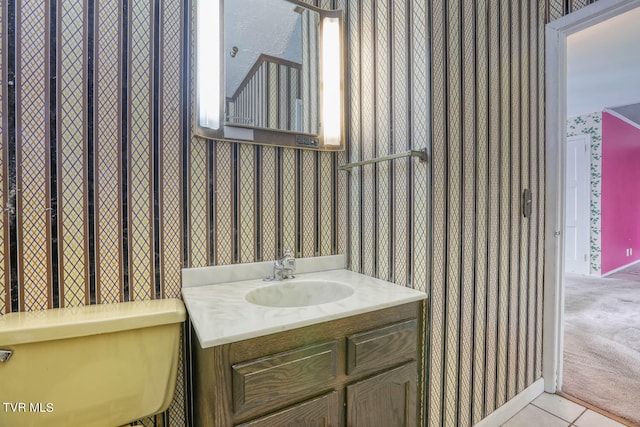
270	72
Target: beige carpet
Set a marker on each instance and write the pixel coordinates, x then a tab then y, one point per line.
602	341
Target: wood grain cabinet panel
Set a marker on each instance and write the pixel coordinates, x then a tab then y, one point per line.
382	348
324	411
297	373
385	400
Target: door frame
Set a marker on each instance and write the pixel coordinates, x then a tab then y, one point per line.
556	33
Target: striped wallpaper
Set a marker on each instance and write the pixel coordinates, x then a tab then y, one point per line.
92	128
466	80
106	194
92	152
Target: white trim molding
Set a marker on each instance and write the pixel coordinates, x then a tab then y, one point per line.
556	119
513	406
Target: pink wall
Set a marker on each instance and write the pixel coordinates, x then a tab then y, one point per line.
620	192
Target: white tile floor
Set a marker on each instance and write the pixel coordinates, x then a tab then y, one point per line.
551	410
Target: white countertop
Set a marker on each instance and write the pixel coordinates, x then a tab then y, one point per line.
220	313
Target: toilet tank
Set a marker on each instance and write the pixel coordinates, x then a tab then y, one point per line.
97	365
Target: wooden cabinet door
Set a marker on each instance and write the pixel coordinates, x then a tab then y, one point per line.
281	379
323	411
385	400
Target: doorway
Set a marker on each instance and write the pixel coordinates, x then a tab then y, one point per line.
559	214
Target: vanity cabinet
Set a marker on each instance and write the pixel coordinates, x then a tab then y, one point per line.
322	411
387	399
361	370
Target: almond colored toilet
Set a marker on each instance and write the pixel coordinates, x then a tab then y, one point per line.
98	365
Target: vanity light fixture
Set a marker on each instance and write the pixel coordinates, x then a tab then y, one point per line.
331	82
209	78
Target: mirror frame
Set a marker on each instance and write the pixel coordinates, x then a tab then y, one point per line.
247	134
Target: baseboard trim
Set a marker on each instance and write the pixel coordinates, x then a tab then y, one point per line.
609	273
515	405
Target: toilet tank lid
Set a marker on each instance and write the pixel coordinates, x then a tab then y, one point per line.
71	322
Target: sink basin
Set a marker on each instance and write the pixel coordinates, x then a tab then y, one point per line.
299	293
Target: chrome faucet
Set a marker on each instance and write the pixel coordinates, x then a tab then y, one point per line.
284	267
